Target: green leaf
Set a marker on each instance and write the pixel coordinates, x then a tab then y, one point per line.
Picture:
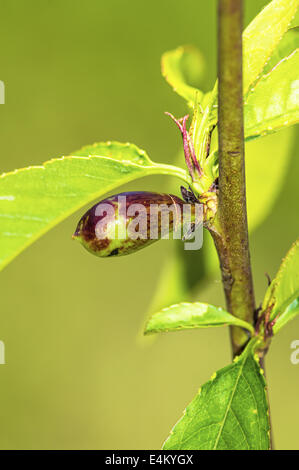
188	315
274	101
284	289
288	44
295	21
289	314
262	36
35	199
181	68
230	412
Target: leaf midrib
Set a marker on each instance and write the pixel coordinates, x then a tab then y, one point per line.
229	405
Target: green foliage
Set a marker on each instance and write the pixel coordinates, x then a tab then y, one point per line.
263	35
183	66
188	315
270	105
288	44
281	296
270	100
35	199
289	314
230	412
274	101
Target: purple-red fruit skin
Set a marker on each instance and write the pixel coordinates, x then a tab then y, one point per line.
106	247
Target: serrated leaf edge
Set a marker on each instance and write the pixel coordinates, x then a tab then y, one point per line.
250	349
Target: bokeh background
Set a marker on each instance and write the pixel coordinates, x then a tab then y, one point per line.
78	374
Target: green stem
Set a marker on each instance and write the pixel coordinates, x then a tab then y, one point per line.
231	235
230	231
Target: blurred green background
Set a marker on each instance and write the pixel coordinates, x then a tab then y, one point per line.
78	375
